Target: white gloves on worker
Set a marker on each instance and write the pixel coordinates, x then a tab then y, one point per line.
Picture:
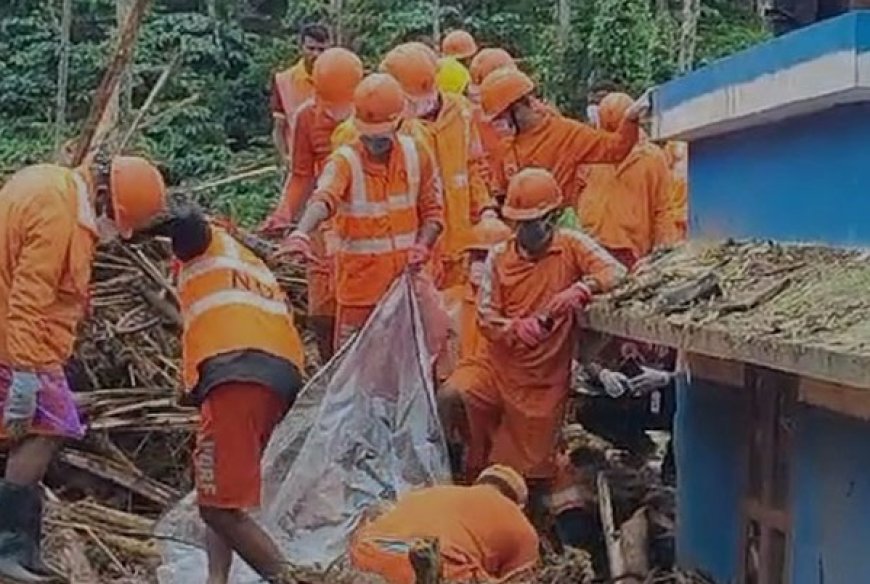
649	381
615	384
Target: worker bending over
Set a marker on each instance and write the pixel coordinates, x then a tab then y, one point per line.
294	86
336	74
51	220
243	377
385	197
482	532
537	137
509	400
443	123
628	206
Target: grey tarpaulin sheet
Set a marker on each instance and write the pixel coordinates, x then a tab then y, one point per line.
363	429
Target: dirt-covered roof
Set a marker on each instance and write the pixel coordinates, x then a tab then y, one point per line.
798	308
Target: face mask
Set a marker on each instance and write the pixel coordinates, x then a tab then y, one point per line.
339	114
535	236
592	116
107	231
504	127
378	146
425	106
474	94
475	272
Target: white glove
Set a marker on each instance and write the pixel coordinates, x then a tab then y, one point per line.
640	108
649	381
615	384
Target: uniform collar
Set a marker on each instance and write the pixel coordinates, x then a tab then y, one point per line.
85	209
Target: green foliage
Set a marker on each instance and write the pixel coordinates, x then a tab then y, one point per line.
225	65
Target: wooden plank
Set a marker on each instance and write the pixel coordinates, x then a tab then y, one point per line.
806	360
841	399
724	372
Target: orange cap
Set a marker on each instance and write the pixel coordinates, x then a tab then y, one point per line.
138	193
379	103
510	479
458	44
502	88
336	74
487	61
612	109
487	234
531	194
412	68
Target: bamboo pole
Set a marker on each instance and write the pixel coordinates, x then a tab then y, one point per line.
149	101
62	75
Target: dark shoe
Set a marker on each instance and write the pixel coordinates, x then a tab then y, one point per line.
34	561
16	535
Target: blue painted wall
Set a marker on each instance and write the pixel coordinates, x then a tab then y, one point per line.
831	499
802	179
710	478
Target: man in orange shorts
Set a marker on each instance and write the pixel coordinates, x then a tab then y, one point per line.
244	377
482	532
512	396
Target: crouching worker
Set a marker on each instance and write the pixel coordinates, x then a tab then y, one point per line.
242	360
511	396
51	219
482	533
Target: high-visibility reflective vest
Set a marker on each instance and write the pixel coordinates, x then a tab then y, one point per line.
376	230
230	302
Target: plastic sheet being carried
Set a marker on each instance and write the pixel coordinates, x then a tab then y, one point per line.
363	430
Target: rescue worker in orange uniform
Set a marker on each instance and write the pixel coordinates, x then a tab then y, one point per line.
510	398
51	219
242	377
294	86
443	122
677	154
627	207
385	197
336	74
536	137
459	45
482	532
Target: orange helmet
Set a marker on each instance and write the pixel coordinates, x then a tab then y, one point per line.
459	44
379	103
336	74
138	193
531	194
612	109
487	234
487	61
509	478
425	50
413	69
502	88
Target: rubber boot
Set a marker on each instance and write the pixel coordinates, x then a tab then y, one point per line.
16	535
34	561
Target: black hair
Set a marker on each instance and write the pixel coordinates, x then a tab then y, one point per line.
317	31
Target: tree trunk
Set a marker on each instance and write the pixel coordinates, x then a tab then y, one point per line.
436	22
62	76
688	34
563	11
125	87
337	9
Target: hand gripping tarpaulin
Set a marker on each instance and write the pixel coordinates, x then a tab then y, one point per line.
363	430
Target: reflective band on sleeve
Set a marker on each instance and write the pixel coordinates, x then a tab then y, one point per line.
211	264
412	165
230	297
379	245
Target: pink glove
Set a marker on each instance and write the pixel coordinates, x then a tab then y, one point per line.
418	255
571	298
529	330
297	244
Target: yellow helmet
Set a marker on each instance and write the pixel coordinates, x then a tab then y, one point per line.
452	76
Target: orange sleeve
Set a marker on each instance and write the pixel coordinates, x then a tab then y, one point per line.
589	145
301	156
333	185
661	184
593	263
47	232
490	318
430	203
478	172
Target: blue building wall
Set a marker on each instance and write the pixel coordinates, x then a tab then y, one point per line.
802	179
831	499
711	458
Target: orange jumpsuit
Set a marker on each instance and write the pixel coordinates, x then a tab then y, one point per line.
47	243
560	145
678	160
627	207
455	144
515	395
290	89
483	535
378	211
311	131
